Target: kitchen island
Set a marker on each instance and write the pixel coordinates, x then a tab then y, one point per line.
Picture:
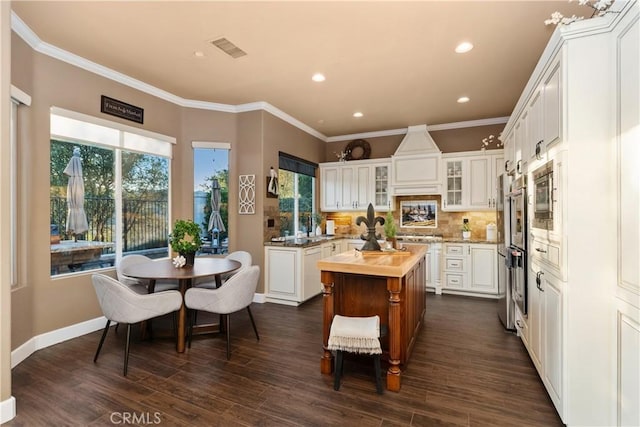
388	284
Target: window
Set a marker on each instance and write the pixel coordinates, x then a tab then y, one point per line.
296	178
109	192
211	189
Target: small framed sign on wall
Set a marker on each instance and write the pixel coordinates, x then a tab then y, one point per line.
121	109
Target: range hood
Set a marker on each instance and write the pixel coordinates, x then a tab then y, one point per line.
417	141
416	164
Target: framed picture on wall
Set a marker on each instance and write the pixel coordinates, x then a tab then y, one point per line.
419	214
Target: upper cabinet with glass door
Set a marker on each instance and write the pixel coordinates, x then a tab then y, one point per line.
453	191
470	180
351	186
382	200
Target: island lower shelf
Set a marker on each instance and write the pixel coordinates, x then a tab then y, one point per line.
391	286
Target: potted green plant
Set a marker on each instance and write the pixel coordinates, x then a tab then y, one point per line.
390	229
466	229
185	239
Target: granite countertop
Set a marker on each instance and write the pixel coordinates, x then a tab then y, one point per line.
305	242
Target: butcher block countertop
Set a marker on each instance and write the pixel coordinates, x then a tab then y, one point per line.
369	263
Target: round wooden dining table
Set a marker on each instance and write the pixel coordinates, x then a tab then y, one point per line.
165	270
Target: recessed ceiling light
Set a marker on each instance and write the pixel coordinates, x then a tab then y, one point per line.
318	77
198	53
463	99
464	47
358	114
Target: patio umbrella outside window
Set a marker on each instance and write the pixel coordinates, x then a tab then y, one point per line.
215	220
76	216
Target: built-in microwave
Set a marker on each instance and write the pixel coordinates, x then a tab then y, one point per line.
543	197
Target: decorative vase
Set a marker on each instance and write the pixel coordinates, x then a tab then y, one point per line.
318	231
466	235
190	258
393	241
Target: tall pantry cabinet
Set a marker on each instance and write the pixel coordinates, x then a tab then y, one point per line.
581	110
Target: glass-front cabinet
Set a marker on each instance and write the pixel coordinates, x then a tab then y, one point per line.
381	196
454	169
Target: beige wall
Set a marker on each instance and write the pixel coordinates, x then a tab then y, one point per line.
41	304
5	199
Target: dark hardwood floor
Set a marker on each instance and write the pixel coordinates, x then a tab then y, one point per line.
464	371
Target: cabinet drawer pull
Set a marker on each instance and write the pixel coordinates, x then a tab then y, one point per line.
541	250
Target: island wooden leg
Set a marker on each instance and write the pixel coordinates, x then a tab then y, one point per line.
394	373
326	362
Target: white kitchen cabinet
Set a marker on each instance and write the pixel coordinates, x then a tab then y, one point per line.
483	264
470	180
509	152
331	248
469	269
351	186
291	275
453	184
587	329
519	140
356	186
381	178
330	187
546	326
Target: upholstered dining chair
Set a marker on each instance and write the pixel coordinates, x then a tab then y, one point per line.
236	294
243	257
119	303
139	285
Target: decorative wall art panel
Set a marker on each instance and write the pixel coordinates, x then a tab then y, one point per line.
247	196
419	214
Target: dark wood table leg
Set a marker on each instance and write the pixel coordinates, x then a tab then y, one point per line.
183	284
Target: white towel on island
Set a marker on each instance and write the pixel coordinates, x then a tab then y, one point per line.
355	334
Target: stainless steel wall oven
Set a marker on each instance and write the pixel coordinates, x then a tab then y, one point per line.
543	197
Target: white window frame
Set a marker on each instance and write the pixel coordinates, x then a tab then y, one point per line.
69	125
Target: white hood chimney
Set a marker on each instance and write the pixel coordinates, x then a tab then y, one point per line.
417	141
415	166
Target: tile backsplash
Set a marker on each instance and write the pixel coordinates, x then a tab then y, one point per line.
449	224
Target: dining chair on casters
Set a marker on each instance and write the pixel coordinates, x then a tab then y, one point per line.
236	294
121	304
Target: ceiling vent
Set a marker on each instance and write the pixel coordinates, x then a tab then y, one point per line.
229	48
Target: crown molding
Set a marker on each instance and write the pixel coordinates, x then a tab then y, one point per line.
469	124
38	45
363	135
444	126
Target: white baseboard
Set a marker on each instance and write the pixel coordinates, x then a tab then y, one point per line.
7	410
69	332
54	337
